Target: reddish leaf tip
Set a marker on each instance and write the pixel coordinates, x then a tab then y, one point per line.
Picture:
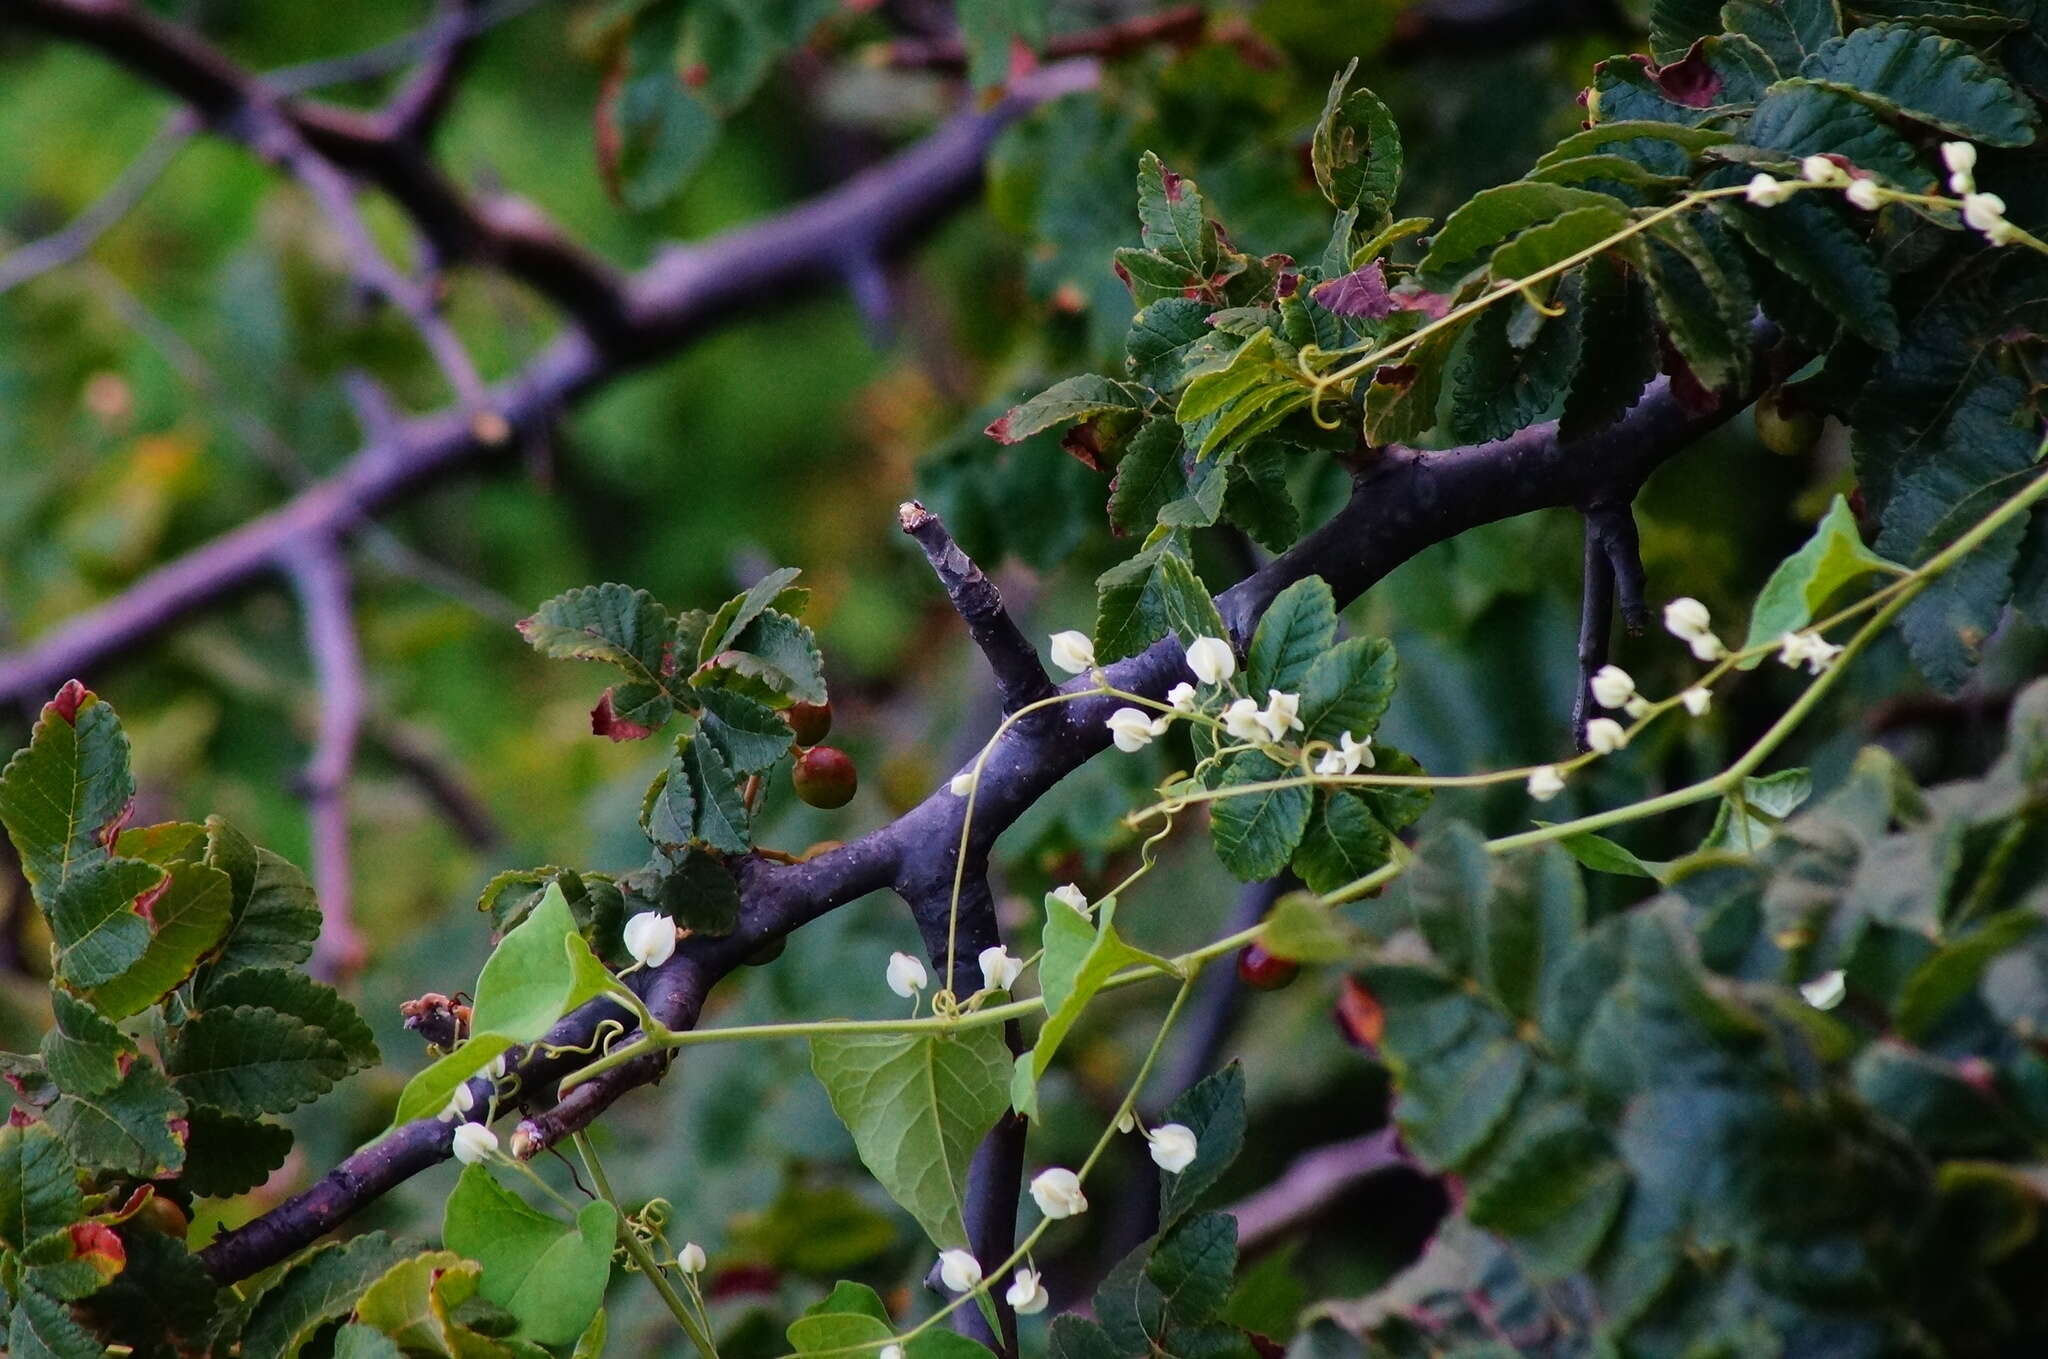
606	722
68	701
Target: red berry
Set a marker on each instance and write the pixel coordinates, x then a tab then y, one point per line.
810	721
824	777
1262	971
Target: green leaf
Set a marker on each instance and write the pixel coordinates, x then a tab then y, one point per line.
619	626
1676	24
1401	401
1498	386
1253	391
428	1093
38	1185
298	995
1664	148
664	128
531	979
1148	477
751	736
1832	558
1256	833
227	1155
1356	151
1493	217
1555	241
1170	337
276	917
1787	30
1603	855
993	31
1302	929
1256	497
1213	1109
1342	842
1080	955
1297	627
83	1050
917	1105
187	922
1347	689
1064	403
1617	348
1807	238
1704	298
1555	1192
42	1328
250	1060
1152	595
719	813
319	1288
1192	1268
1802	119
99	931
411	1302
1171	219
65	793
736	614
1918	74
129	1128
549	1274
776	654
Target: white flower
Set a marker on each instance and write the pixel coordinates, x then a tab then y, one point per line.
1126	1121
1211	659
474	1142
497	1066
1242	720
1707	647
1281	714
959	1270
1348	758
1057	1192
650	938
1612	686
889	1352
1809	649
1545	782
1182	697
1027	1295
691	1259
1767	192
1173	1147
1825	992
1604	736
961	784
1070	895
1961	160
1985	212
1820	170
1637	706
1863	193
1697	700
1073	652
1689	621
998	968
1131	729
462	1101
906	975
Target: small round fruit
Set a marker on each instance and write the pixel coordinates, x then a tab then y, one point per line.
161	1215
810	721
1788	431
824	777
768	952
1262	971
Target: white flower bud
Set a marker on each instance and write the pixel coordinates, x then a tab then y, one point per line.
1211	659
959	1270
1057	1192
1612	686
1131	729
1863	193
1637	707
998	969
1545	782
1604	736
961	783
1126	1121
1027	1296
889	1352
1281	715
691	1258
1686	617
1070	895
906	975
1173	1147
1820	170
1985	212
1961	160
1073	652
1809	649
474	1142
462	1101
1697	700
650	938
1707	647
1242	720
1825	992
1767	192
1182	697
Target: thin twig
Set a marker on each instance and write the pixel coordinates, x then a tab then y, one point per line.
1313	1184
320	577
1178	26
61	247
1596	626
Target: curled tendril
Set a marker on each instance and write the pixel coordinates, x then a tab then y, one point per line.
602	1037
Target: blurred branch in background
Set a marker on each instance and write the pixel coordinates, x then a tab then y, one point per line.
1313	1184
320	576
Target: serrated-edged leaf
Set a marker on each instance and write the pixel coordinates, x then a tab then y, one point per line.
1297	627
83	1050
1148	478
1676	24
752	736
776	652
1213	1109
1802	119
250	1060
1150	596
1929	78
320	1288
1806	237
1449	1107
1787	30
187	920
1552	242
1830	559
1555	1191
99	931
1192	1267
617	625
773	590
1252	390
38	1185
1171	218
917	1105
295	993
1493	217
1300	928
1498	386
548	1273
1169	337
42	1328
1401	401
1341	843
1256	497
695	888
1703	298
1676	144
1347	689
275	922
1153	278
1256	833
163	1297
1077	398
1080	955
226	1154
1617	348
1356	150
719	816
130	1127
63	793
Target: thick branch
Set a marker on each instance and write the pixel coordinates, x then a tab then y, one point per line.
1596	626
1019	675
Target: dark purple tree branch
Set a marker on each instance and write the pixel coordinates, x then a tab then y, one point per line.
320	576
1312	1185
61	247
1596	626
415	111
1020	677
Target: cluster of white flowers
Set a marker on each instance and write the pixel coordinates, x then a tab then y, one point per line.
1688	620
1348	756
1983	212
1807	648
1247	721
